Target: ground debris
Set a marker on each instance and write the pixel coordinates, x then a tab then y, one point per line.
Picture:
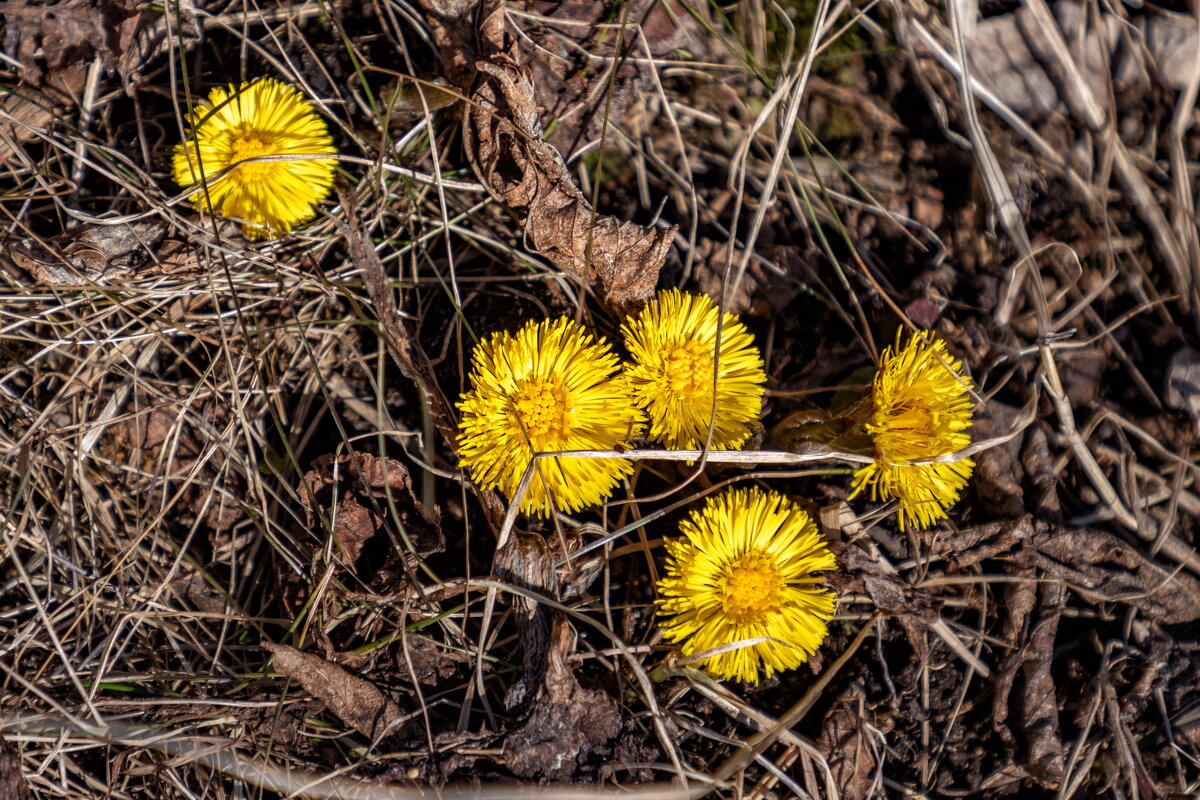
566	723
27	111
167	441
561	44
67	32
1011	54
357	702
914	608
1098	566
1183	384
771	281
362	484
1038	709
100	254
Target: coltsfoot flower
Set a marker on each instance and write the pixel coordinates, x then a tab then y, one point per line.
258	118
547	388
921	410
673	342
744	570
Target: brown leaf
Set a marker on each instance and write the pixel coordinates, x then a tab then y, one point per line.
194	590
846	745
353	525
98	254
998	470
360	479
1039	703
357	702
64	33
1103	568
27	110
1019	600
565	40
12	781
162	440
1040	476
150	34
503	137
568	722
861	573
1095	564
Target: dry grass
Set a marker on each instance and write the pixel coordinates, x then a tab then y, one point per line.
156	428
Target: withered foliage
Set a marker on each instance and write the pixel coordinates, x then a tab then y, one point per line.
617	260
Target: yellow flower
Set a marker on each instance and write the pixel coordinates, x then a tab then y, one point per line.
921	410
743	571
673	341
258	118
549	387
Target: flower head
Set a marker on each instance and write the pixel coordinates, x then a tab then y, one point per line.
673	342
258	118
547	388
922	409
744	570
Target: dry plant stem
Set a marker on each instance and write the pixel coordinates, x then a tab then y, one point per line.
994	182
1083	104
406	352
643	680
1171	546
758	743
1083	455
291	782
1006	209
939	626
1185	203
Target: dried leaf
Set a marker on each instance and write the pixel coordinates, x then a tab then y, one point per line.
846	744
1097	565
567	722
151	34
1040	476
1019	600
1103	568
64	33
356	702
99	254
562	42
195	591
27	110
863	574
1039	703
357	479
162	440
525	561
998	472
12	780
503	137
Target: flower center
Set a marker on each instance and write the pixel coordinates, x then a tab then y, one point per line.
913	430
916	419
689	370
750	588
542	409
249	144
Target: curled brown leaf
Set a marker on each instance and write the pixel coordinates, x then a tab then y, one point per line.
505	143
